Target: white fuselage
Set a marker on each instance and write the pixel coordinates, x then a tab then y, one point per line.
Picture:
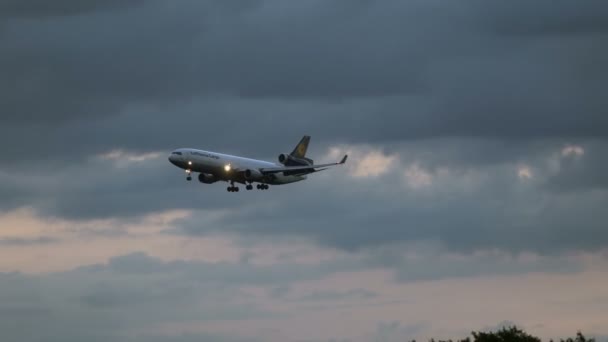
226	167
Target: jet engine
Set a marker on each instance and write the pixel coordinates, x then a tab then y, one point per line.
253	175
289	160
283	158
206	178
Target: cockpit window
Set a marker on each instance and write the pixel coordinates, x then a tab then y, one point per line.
178	153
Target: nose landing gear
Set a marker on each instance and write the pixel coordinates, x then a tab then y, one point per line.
188	175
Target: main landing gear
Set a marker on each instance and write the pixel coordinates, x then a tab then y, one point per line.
232	188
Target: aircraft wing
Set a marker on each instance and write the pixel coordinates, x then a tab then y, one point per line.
304	169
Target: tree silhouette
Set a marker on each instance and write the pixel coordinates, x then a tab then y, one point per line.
511	334
579	338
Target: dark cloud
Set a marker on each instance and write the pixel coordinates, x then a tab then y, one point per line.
121	299
351	71
585	172
101	189
356	294
467	209
42	8
554	18
477	205
477	88
118	301
435	267
225	272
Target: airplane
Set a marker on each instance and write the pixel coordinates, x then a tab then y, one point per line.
213	167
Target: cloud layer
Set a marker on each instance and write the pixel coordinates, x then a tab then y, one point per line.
476	133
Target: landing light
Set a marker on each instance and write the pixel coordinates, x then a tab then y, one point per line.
189	163
227	167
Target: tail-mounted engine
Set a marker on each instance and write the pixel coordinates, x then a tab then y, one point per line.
289	160
283	158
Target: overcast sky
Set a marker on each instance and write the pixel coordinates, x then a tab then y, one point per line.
475	194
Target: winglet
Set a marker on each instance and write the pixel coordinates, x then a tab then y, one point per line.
343	159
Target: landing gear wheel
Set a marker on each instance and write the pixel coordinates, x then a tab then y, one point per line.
249	187
188	178
232	188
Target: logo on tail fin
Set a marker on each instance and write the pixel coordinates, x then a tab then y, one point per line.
300	150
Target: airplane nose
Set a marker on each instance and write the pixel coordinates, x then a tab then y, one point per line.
175	158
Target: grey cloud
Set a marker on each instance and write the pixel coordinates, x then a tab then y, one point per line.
111	303
553	18
500	326
474	98
471	209
588	172
436	268
96	66
99	189
42	8
473	86
201	337
481	205
415	76
339	295
279	291
27	241
397	331
225	272
120	300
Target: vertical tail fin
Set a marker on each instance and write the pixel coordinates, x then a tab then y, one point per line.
300	150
